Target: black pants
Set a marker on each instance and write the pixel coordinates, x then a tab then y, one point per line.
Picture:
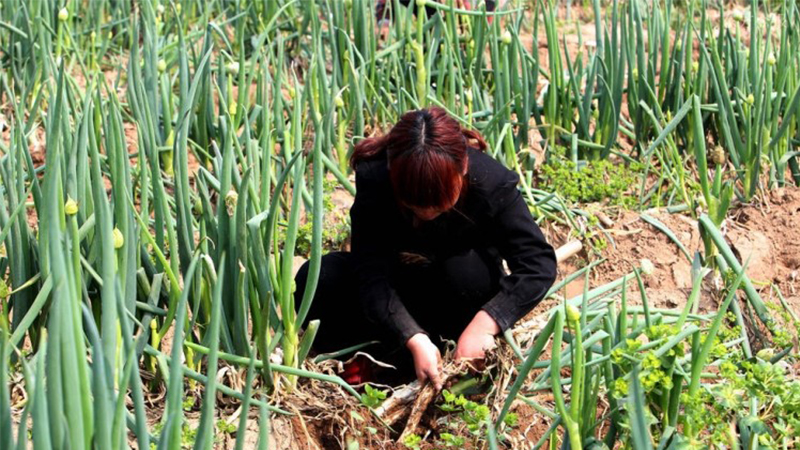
442	296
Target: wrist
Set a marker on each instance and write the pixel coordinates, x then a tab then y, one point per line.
484	323
416	341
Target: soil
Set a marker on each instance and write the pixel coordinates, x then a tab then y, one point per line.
763	233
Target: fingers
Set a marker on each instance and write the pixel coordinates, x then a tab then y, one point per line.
434	374
431	372
427	362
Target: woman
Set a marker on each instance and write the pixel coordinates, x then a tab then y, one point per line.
432	220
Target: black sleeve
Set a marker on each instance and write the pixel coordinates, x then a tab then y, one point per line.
530	258
370	219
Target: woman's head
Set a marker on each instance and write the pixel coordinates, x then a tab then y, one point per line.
427	155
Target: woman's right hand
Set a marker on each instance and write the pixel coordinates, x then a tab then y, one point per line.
427	359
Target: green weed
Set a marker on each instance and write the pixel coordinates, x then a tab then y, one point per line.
592	182
372	397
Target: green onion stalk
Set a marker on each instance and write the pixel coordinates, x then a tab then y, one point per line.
571	416
419	55
717	195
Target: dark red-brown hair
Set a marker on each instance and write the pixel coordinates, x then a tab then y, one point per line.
427	155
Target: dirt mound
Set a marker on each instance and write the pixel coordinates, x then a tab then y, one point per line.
768	234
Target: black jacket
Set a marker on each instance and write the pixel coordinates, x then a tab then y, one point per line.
491	215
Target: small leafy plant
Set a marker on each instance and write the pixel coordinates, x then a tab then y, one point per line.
470	415
372	397
451	440
223	426
412	441
592	182
335	229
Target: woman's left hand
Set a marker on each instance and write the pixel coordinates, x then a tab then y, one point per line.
477	337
